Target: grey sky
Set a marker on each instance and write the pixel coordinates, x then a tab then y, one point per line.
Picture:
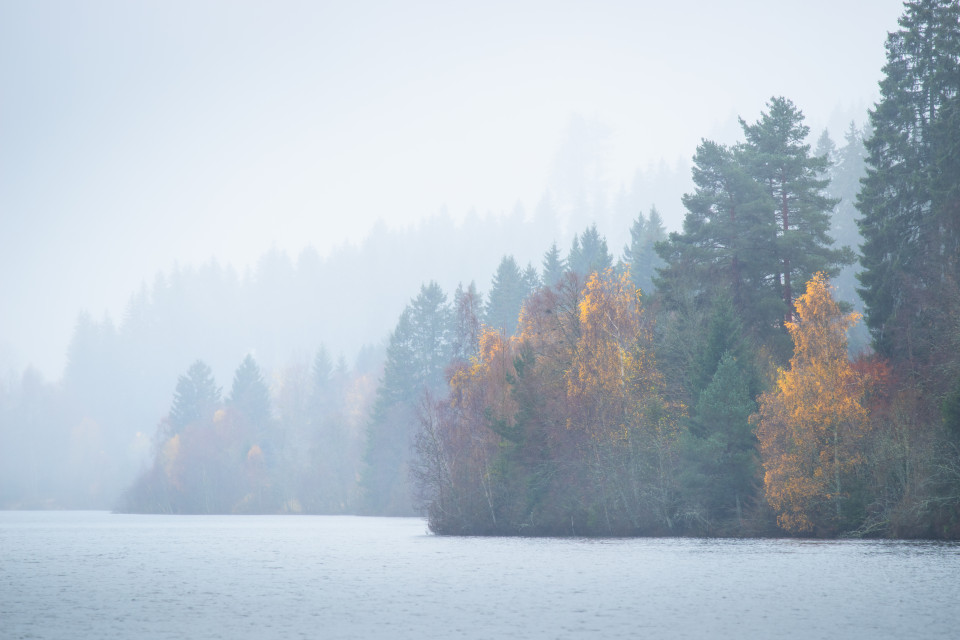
136	134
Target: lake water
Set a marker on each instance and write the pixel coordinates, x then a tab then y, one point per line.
100	575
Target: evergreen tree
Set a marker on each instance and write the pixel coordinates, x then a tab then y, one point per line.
826	149
910	216
196	397
321	375
778	158
507	292
756	224
432	321
418	353
727	246
589	254
531	280
640	255
554	266
250	396
724	336
723	455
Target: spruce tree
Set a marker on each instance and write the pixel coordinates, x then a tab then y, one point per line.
723	455
640	255
419	350
554	266
910	217
250	396
531	280
589	253
196	397
507	292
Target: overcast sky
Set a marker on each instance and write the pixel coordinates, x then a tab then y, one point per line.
136	134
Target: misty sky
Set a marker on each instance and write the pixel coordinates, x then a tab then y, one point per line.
137	134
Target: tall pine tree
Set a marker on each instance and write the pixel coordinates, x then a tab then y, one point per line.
777	156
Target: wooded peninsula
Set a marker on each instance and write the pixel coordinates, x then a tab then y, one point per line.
788	363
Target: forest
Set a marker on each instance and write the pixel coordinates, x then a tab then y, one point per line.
786	363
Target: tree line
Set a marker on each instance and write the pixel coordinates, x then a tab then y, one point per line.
726	401
750	374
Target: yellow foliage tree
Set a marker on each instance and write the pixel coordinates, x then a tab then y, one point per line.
609	329
811	421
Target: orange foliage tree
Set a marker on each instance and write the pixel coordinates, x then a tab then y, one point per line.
598	380
561	429
455	446
811	422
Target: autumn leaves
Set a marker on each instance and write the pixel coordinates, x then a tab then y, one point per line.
569	427
808	426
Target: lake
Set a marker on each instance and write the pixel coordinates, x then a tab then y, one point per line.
101	575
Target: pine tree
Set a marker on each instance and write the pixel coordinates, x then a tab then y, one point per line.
756	225
777	157
727	246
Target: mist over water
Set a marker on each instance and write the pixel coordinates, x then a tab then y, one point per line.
70	574
397	260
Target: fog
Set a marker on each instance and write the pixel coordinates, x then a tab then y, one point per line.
134	137
292	173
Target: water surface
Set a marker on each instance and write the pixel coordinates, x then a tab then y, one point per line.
101	575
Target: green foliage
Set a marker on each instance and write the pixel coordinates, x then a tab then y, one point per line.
507	292
588	253
722	454
531	279
777	157
727	244
910	221
757	223
195	398
560	430
724	337
249	394
554	266
419	350
640	255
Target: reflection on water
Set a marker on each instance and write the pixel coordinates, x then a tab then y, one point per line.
90	574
